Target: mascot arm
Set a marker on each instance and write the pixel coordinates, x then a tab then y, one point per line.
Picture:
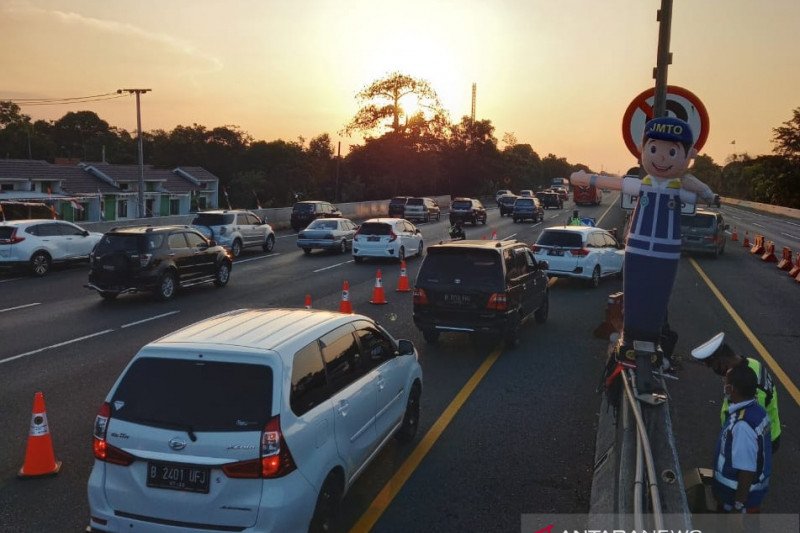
692	184
582	179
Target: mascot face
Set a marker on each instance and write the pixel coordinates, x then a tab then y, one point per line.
665	159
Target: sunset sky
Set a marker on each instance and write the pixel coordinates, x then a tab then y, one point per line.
558	74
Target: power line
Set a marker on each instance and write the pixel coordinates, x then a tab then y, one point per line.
70	102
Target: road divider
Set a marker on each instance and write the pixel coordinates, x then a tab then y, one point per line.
786	259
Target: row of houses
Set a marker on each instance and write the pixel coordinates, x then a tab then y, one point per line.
92	192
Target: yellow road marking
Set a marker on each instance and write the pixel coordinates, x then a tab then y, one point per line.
762	351
393	486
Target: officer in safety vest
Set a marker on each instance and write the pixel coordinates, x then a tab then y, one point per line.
743	459
720	357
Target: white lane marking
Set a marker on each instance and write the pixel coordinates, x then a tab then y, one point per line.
790	235
12	358
757	224
552	217
605	212
19	307
537	224
9	279
285	236
510	236
240	261
333	266
149	319
792	223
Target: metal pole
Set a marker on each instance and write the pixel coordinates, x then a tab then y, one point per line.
664	59
338	160
138	92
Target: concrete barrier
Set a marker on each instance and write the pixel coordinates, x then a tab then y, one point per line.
767	208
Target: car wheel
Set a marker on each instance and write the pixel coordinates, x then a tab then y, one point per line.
419	250
722	249
401	254
269	244
431	336
512	335
594	281
109	295
484	220
408	429
40	264
515	220
307	251
343	246
438	217
223	274
166	286
358	258
427	218
327	505
540	315
236	248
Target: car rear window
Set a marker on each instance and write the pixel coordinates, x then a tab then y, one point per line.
416	201
563	239
303	208
462	204
471	267
524	202
323	224
213	219
116	242
375	228
195	394
697	221
398	201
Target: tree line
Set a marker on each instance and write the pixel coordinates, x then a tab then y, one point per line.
412	153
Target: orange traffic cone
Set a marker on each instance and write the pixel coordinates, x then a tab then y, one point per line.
734	235
344	305
746	241
39	457
308	301
378	297
402	284
494	235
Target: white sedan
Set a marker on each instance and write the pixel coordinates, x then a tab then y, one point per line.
582	252
387	237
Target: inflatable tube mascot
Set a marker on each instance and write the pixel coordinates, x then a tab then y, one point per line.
653	246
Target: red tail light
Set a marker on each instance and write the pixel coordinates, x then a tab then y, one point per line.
275	460
13	239
420	298
535	248
392	236
498	301
579	252
103	451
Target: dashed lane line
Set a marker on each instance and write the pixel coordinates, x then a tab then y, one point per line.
332	266
260	257
19	307
148	319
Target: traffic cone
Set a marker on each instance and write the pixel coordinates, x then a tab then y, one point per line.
378	297
344	305
494	235
734	235
402	284
39	457
308	301
746	241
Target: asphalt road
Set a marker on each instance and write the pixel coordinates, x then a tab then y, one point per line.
521	442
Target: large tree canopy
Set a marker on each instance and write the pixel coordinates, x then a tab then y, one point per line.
787	137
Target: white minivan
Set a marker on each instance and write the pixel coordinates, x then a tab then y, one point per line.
255	420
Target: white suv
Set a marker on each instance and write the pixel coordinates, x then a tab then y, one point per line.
37	244
235	229
583	252
253	420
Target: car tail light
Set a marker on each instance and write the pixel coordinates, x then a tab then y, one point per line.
579	252
13	239
103	451
144	259
498	301
392	236
536	248
420	298
275	460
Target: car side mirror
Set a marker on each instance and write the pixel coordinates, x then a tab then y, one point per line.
417	231
86	233
544	265
405	346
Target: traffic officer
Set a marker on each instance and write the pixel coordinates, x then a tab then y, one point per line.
743	460
720	357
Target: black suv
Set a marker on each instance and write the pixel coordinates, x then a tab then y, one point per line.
480	286
304	212
467	210
397	206
158	259
550	199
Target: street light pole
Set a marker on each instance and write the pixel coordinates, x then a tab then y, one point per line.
138	92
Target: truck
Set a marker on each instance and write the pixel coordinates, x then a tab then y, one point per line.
589	195
561	182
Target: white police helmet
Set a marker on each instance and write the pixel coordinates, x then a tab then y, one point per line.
707	349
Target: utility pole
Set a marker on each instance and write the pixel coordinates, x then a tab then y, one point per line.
338	160
138	92
664	59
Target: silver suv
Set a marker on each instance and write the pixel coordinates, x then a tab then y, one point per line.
235	229
37	244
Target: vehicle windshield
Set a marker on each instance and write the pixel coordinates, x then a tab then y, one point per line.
416	201
200	395
322	224
462	204
697	221
213	219
468	268
563	239
120	242
303	208
375	228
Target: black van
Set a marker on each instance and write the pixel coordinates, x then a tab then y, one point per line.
480	287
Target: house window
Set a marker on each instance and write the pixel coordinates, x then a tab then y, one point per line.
201	202
148	207
122	209
79	215
123	186
174	207
6	186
